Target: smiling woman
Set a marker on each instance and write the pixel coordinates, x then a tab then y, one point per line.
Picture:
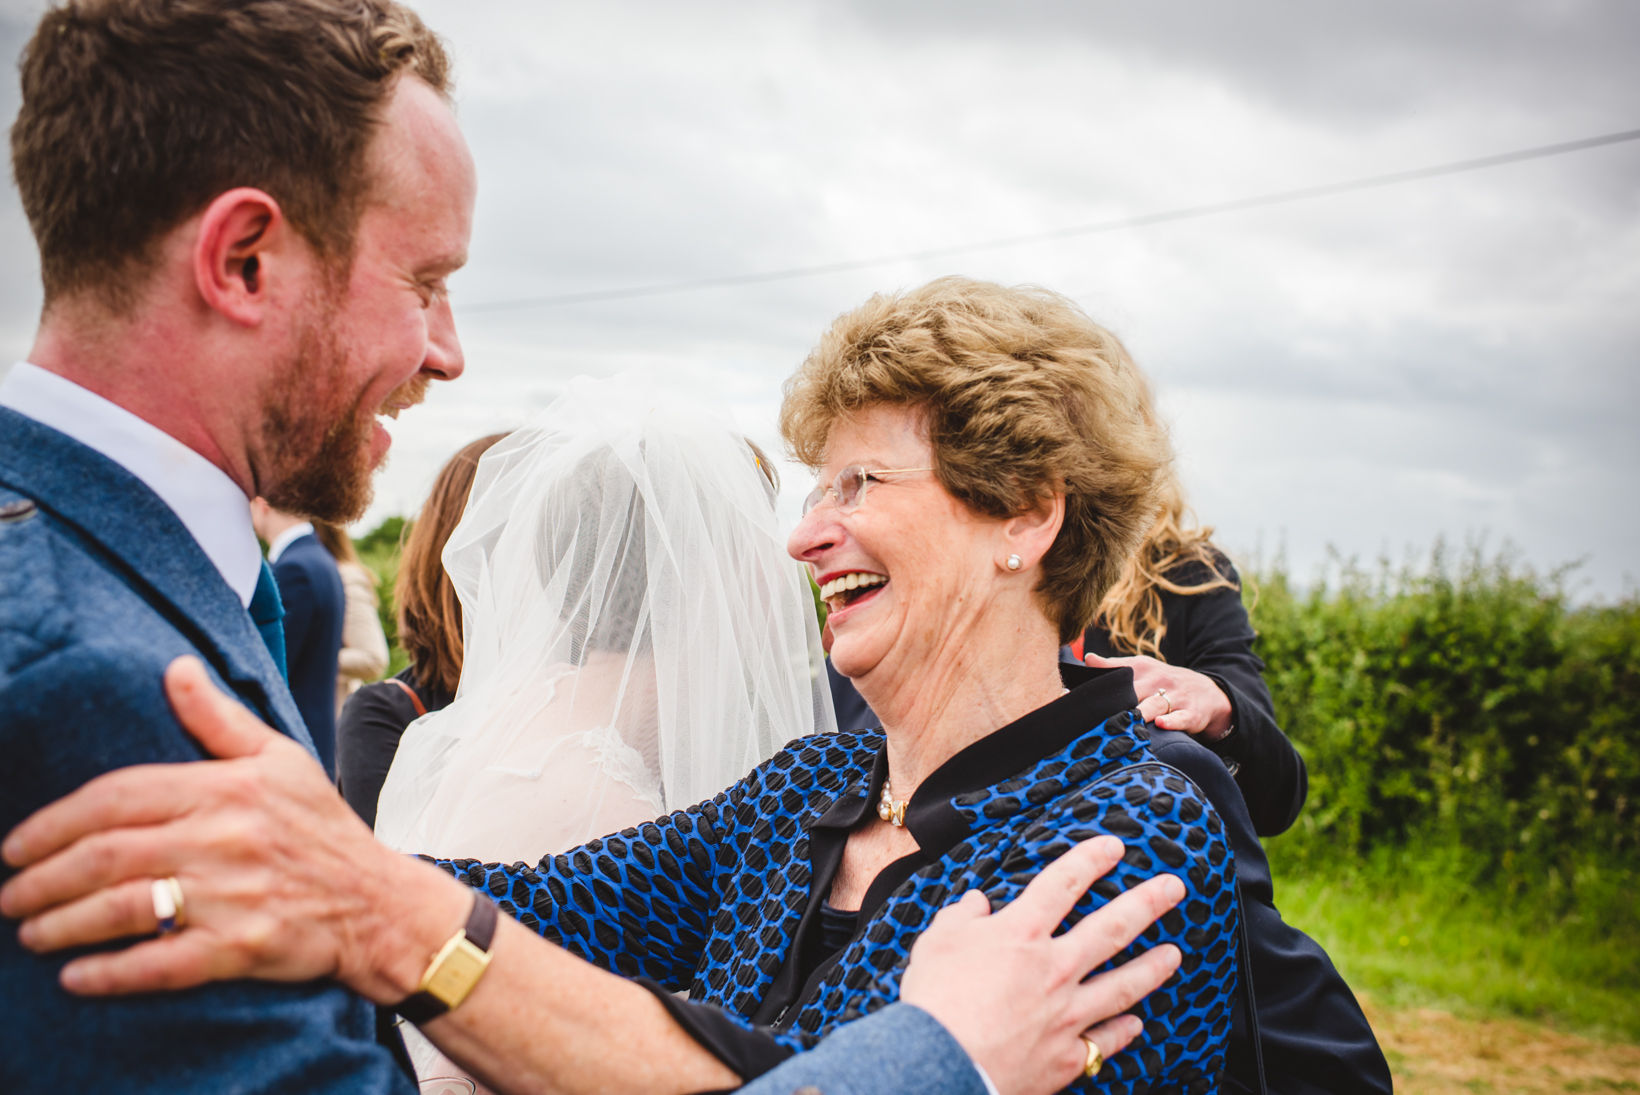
987	458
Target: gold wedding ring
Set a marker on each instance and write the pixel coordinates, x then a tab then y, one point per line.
1162	692
169	907
1096	1060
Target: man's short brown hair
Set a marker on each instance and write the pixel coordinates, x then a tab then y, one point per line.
137	113
1022	395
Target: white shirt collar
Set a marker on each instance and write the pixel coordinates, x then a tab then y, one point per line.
209	504
287	538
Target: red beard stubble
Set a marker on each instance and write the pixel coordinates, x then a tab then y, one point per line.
320	445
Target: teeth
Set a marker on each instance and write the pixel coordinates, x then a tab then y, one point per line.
858	579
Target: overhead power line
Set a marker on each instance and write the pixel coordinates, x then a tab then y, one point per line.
1191	212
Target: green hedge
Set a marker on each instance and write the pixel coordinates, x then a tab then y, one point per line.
1464	710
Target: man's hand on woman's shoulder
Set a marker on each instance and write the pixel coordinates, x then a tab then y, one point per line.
1014	995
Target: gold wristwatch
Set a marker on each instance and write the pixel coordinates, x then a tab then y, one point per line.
456	968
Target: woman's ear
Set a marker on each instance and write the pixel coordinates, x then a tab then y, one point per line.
241	236
1029	535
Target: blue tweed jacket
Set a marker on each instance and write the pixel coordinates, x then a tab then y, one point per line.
724	898
101	587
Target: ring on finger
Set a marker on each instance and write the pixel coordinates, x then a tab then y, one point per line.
170	909
1162	692
1095	1061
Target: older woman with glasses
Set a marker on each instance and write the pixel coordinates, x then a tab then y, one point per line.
987	458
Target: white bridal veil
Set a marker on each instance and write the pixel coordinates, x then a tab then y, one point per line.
636	637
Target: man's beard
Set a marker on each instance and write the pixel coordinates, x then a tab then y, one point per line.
320	454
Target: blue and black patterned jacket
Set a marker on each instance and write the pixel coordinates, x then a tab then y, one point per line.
724	898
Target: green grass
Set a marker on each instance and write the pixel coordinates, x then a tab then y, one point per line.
1423	937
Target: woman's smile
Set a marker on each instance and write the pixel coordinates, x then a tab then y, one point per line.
842	590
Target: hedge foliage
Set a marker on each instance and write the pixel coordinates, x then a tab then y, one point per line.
1463	709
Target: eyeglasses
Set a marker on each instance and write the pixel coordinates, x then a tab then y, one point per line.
850	486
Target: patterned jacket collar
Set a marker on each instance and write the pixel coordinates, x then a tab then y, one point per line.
1086	717
119	519
999	757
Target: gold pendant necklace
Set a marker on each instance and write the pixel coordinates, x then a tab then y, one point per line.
889	810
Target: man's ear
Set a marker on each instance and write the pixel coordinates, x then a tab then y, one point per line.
242	235
1030	534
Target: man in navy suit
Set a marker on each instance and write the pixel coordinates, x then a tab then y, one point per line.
246	213
310	588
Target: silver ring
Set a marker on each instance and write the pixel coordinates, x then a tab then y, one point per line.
1162	692
169	907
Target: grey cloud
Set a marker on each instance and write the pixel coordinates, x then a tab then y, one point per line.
1457	356
1357	64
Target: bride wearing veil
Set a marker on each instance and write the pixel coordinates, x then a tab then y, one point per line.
637	638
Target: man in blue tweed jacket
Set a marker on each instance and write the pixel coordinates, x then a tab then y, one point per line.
233	290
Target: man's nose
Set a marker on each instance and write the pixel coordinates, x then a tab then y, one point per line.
444	359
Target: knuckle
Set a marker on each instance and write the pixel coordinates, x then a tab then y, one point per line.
239	783
132	906
100	855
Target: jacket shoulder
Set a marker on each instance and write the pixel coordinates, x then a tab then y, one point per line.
826	759
307	570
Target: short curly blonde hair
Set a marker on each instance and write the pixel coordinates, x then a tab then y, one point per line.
1022	395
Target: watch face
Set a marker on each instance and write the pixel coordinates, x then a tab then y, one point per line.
447	1085
455	971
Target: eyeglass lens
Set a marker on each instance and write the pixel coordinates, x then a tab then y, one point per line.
849	486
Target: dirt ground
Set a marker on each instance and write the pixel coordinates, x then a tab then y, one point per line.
1436	1053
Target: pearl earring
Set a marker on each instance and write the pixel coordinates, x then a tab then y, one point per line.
1015	562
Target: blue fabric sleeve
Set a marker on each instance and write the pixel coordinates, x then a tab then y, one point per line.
899	1049
637	903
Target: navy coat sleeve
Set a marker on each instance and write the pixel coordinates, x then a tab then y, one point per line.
1211	634
1316	1039
315	604
890	1052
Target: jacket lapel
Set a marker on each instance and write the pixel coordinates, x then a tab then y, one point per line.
152	551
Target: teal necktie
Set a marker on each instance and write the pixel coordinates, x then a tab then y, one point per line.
268	613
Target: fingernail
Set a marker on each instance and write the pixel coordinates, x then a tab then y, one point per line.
71	978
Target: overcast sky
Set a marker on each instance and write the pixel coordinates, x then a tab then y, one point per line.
1458	356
